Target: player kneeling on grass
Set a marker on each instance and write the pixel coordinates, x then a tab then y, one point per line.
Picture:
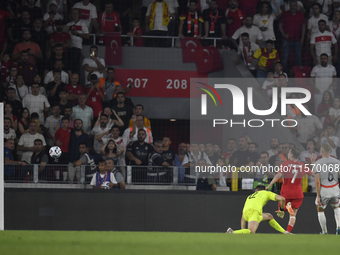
327	186
103	179
252	211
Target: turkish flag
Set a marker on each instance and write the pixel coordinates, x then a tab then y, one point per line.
113	49
190	48
205	60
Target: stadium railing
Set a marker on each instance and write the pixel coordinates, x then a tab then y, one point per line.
173	38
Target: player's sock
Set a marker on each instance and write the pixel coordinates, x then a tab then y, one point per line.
337	216
289	228
322	221
242	231
275	225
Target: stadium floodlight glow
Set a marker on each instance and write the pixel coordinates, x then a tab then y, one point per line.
2	174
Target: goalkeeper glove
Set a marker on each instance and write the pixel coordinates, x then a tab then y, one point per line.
280	213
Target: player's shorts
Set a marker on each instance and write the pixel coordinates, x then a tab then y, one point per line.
252	215
296	203
324	201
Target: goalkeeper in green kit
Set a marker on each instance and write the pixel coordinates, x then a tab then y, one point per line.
252	212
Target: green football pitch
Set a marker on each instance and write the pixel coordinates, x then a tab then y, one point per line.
94	242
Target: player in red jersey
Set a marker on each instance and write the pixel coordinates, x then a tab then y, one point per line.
292	171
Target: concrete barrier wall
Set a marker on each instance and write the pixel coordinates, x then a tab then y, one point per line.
128	210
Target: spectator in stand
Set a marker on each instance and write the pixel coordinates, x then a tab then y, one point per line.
119	88
58	65
274	145
131	134
83	112
178	161
122	8
34	11
168	153
255	35
26	142
253	149
26	68
111	150
312	25
136	32
78	31
33	48
214	22
322	41
77	137
51	125
68	114
35	117
278	70
334	113
305	157
102	128
328	136
110	112
113	134
123	110
57	55
206	180
110	166
109	21
137	153
16	104
36	102
247	50
209	150
21	89
231	148
40	37
242	156
191	23
234	17
95	96
108	84
5	64
326	7
192	157
74	89
157	170
323	109
157	21
323	79
51	17
286	6
62	139
9	173
93	64
54	87
201	147
10	80
267	57
334	25
268	85
88	13
9	133
24	121
4	16
15	32
293	29
9	114
139	110
60	37
102	178
308	127
217	150
40	158
63	103
265	20
86	160
37	79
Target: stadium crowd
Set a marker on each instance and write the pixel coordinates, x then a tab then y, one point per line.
46	104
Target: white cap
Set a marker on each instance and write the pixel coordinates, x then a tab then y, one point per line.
52	2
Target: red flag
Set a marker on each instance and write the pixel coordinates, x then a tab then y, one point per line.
190	48
218	63
113	49
205	60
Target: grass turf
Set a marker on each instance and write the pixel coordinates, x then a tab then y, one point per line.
161	243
